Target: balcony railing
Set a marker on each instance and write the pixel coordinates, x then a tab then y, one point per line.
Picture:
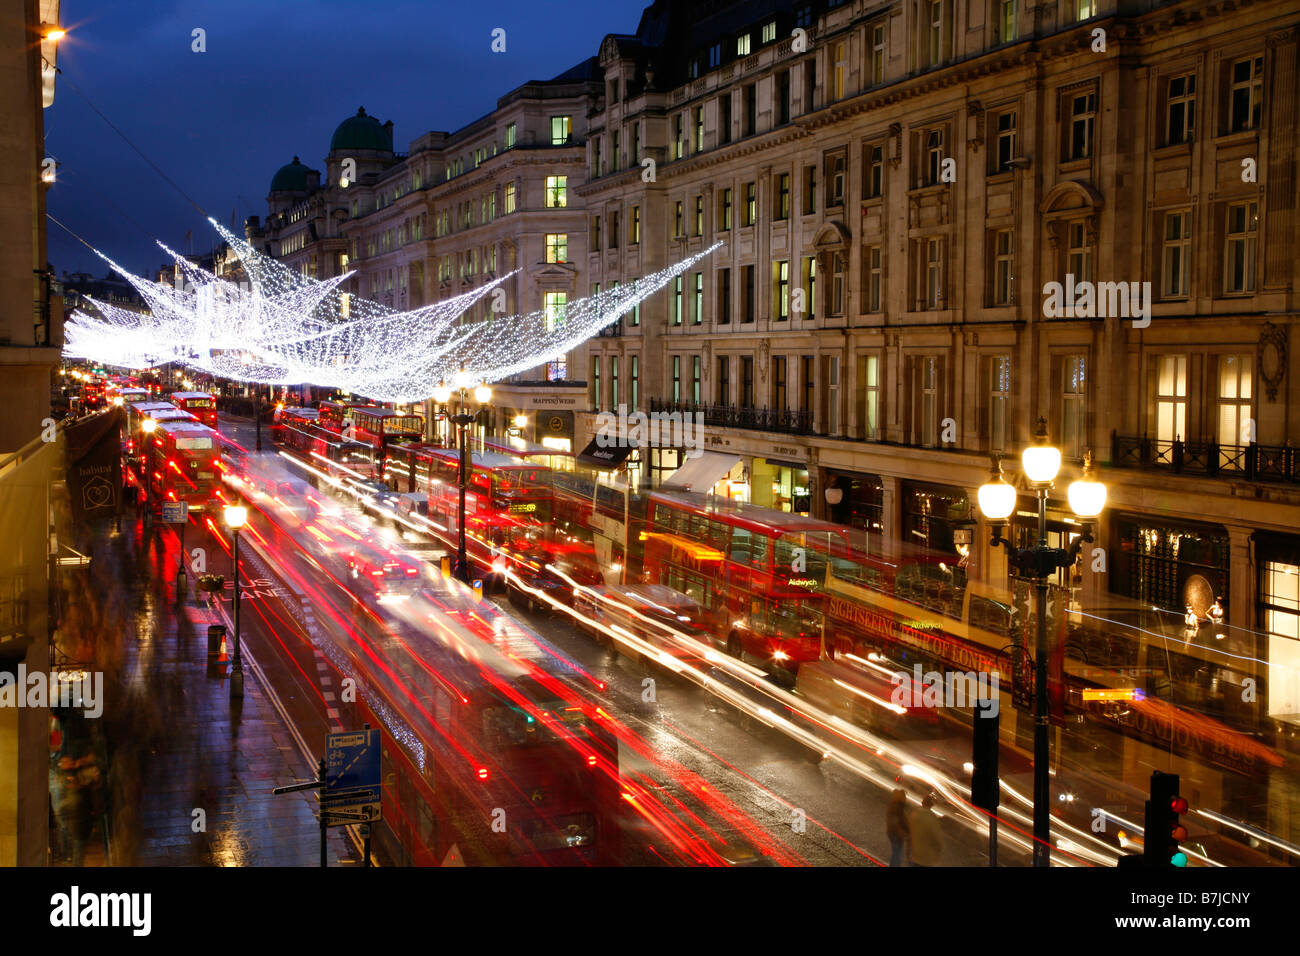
1253	462
785	421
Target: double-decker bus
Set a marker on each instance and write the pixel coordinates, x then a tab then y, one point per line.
202	405
158	411
334	415
133	395
757	572
373	433
183	459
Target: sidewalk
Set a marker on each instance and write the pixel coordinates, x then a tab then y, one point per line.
200	793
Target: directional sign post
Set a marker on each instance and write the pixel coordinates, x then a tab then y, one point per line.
351	793
175	512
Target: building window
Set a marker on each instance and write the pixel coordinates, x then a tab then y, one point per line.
751	109
699	129
873	257
873	171
751	204
613	382
613	229
782	210
511	133
769	31
742	45
747	381
1079	254
932	33
561	128
835	166
999	401
809	190
724	297
616	157
1239	251
839	69
697	313
1083	116
869	396
783	97
1280	603
677	301
1085	9
934	273
835	305
1171	400
509	203
1074	369
724	117
634	381
634	226
809	277
1006	150
724	210
696	369
933	157
781	290
1180	109
636	312
808	380
677	219
715	56
926	429
1246	94
1005	20
557	247
595	233
747	293
724	380
636	143
876	64
831	412
1234	407
593	387
1176	254
809	84
677	379
780	381
1003	267
699	215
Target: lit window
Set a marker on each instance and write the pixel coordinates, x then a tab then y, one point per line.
557	247
561	127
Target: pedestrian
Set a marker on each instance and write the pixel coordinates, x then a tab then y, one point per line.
927	841
896	826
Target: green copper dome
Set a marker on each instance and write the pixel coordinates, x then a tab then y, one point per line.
361	132
291	178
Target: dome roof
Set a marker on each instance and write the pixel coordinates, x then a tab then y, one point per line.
291	178
362	132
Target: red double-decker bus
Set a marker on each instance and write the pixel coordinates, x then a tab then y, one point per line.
183	460
201	405
756	572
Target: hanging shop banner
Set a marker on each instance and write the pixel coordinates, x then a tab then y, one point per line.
95	465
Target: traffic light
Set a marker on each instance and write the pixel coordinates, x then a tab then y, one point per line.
1164	829
984	790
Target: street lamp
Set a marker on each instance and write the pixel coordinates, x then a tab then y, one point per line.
463	383
236	516
148	426
1041	463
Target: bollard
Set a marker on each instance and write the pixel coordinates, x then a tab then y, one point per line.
216	640
445	565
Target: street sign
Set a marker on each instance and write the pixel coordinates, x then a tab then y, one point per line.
352	760
175	512
349	798
345	818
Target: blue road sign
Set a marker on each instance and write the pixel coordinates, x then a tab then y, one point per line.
352	760
174	512
341	799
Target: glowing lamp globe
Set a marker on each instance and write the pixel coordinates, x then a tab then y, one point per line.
1087	497
462	379
521	421
442	394
236	516
1041	463
148	426
997	500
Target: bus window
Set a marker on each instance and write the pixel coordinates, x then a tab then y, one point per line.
184	444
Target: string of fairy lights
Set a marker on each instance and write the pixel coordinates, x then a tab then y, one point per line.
280	327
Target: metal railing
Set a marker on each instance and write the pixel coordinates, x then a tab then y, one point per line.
1252	462
786	421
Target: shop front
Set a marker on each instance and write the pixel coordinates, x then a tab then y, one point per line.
856	500
781	486
1171	565
1278	613
932	514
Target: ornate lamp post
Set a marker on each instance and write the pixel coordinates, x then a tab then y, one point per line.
236	516
1041	463
462	420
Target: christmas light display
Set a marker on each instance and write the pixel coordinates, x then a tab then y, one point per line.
282	327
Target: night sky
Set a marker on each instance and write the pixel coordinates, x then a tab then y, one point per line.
277	77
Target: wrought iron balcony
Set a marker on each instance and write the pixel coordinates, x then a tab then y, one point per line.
785	421
612	331
1253	462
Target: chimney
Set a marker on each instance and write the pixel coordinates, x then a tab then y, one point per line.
388	128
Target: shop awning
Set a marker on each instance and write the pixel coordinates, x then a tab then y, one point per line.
702	473
606	458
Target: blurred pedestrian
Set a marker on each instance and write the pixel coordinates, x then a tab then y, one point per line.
927	841
896	826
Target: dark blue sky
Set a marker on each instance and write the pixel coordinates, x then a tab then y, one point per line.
277	78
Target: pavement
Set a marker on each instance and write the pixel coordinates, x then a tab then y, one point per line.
190	770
